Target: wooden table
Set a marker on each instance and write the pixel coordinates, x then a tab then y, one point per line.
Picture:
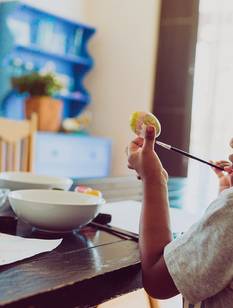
88	268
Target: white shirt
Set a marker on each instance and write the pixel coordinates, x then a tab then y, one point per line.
201	261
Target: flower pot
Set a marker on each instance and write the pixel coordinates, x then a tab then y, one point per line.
48	109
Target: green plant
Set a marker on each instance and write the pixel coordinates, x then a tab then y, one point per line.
36	84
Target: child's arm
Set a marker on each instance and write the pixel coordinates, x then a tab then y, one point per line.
155	234
155	231
200	263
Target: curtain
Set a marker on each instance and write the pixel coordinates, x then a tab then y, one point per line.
212	111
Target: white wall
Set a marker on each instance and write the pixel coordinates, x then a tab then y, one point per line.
124	50
72	9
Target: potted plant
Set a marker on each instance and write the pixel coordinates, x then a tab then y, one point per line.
41	88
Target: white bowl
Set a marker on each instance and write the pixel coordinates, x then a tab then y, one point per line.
53	210
27	180
3	198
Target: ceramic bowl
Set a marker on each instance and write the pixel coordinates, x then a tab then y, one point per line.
27	180
53	210
3	198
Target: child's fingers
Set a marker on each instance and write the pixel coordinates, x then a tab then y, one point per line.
130	167
229	169
134	145
221	163
224	164
138	141
216	164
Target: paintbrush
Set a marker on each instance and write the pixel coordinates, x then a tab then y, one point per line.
169	147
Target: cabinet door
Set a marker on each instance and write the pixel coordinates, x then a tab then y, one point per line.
72	156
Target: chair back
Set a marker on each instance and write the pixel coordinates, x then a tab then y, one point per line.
17	140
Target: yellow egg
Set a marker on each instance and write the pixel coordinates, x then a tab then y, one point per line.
140	119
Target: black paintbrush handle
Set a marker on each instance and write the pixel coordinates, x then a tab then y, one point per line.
194	157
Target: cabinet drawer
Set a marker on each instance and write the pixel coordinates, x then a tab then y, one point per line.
73	156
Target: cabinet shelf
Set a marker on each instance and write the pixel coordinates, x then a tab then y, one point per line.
67	58
33	11
38	41
73	96
27	34
76	96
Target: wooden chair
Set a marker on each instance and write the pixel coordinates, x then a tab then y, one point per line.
17	144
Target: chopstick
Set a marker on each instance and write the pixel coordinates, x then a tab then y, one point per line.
169	147
117	231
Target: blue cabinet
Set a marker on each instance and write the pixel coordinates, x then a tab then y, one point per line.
35	40
72	155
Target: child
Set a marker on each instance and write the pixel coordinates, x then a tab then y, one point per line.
199	265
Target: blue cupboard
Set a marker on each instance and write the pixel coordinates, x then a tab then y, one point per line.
35	40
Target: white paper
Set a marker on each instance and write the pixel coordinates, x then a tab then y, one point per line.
15	248
126	215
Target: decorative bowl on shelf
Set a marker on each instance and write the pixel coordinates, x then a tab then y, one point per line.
53	210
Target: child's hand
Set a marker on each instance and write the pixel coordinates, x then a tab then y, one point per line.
226	177
143	159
